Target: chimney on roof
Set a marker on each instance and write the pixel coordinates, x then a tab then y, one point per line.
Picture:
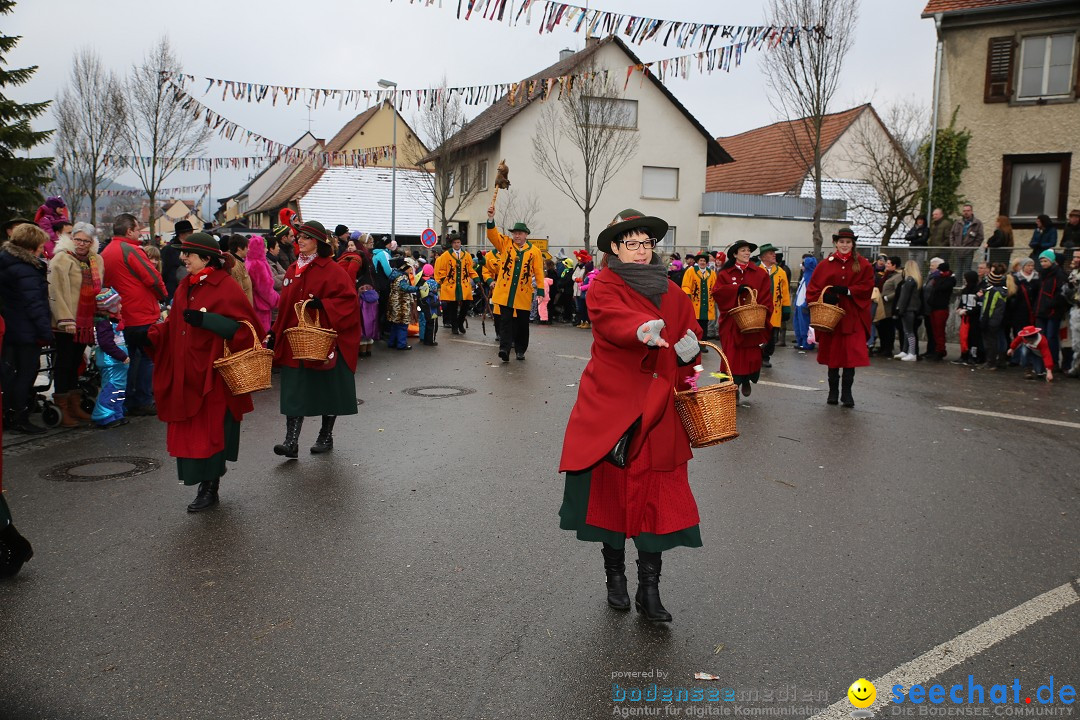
592	40
565	53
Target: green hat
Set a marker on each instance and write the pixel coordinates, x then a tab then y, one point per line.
520	227
767	247
1049	255
200	242
628	220
314	229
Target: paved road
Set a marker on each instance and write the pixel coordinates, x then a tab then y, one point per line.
417	571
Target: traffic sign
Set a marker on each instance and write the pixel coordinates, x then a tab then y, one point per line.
429	238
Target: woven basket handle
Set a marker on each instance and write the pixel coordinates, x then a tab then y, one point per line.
255	339
723	358
821	297
301	316
753	298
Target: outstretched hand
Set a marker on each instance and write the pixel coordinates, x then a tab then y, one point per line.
649	333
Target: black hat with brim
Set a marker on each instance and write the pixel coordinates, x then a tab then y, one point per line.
846	234
628	220
184	226
740	244
15	221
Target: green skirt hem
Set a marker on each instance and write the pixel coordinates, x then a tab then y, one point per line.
193	471
310	393
574	510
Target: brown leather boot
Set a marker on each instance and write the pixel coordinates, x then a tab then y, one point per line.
67	418
75	403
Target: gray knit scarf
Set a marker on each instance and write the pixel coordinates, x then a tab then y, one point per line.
650	280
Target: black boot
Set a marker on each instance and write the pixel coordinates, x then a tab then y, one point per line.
615	568
14	551
207	497
22	424
325	441
834	386
291	447
647	599
845	388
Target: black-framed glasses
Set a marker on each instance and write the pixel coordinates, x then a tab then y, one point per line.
635	244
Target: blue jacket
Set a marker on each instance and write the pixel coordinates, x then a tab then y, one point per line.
24	290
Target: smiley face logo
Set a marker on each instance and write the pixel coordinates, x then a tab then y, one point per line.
862	693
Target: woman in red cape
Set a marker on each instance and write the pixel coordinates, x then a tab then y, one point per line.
625	449
734	281
327	389
203	416
852	282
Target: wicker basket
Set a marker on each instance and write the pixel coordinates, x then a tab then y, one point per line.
708	413
824	317
246	371
309	341
749	317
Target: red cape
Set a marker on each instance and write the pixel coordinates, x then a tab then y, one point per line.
845	346
743	350
325	279
625	380
184	376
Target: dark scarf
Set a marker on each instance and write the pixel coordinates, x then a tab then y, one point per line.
650	280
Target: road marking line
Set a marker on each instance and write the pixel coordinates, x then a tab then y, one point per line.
476	342
789	387
1007	416
958	650
573	357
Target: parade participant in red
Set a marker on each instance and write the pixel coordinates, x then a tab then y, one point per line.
852	279
327	389
625	449
14	548
736	278
203	416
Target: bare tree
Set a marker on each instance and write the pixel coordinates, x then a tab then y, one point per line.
90	121
454	178
584	139
519	208
803	77
886	151
157	128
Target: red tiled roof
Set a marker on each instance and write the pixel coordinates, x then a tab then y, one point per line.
952	6
765	162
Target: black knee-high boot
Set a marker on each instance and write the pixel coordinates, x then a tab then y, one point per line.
834	386
14	548
615	569
647	599
845	389
291	447
325	441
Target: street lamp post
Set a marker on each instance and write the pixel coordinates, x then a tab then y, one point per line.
393	165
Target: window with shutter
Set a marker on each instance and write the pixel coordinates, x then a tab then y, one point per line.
999	70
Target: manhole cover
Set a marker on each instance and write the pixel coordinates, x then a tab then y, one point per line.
103	468
438	391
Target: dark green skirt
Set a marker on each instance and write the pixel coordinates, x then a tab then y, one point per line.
307	393
575	507
193	471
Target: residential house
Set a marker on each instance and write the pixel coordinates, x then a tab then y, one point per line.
665	177
1010	69
776	160
234	208
169	213
372	128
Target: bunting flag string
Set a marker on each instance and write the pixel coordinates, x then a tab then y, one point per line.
636	29
162	192
190	164
724	58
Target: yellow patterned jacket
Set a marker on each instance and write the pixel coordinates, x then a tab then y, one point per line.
781	290
455	276
692	285
517	271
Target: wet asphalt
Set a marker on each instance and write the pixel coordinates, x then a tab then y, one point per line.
418	569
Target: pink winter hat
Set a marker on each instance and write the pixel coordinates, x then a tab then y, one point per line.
428	271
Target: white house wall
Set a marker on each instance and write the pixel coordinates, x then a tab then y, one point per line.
666	139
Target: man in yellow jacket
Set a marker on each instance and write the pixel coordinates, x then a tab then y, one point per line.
781	291
454	271
521	265
698	282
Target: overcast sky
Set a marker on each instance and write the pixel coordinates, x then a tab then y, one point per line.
354	43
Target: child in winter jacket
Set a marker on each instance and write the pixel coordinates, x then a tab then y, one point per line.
403	292
112	359
1034	353
992	319
429	306
51	212
969	308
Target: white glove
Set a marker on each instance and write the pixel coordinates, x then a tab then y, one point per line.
649	333
687	349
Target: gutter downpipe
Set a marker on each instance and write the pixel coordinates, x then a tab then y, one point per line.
934	123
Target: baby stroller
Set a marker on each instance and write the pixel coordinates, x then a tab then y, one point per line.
39	402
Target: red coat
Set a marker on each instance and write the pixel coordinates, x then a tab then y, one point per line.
322	278
130	273
186	386
625	379
743	350
845	347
